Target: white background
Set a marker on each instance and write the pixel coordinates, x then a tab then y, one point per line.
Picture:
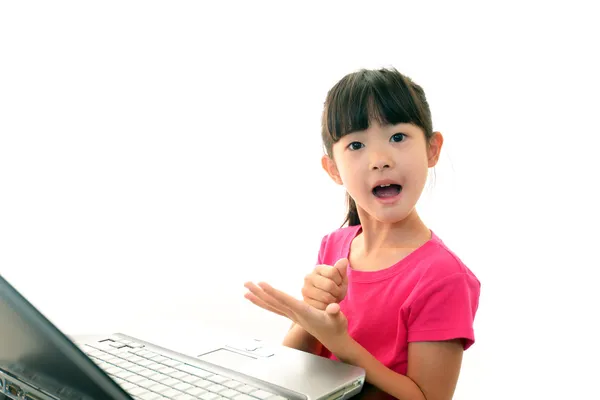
156	155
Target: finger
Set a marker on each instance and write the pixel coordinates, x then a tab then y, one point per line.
267	298
333	309
318	294
334	312
326	285
286	300
316	304
342	267
329	272
254	299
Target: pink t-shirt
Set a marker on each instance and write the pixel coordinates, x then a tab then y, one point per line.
430	295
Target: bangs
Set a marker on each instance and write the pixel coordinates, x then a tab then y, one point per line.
385	96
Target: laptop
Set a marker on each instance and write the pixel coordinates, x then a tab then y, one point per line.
39	362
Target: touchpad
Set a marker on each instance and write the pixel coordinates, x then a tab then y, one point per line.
226	358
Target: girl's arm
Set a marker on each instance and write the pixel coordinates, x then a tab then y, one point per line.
298	338
433	369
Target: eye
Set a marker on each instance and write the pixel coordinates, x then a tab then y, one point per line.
355	145
398	137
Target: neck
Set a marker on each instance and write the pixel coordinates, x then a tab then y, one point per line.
411	232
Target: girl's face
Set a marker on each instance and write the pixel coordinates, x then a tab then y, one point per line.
384	168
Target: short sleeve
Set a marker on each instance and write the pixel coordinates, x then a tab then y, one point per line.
445	310
321	254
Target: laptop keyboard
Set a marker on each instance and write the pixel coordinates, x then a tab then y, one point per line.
147	375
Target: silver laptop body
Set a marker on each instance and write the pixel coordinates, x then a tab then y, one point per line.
38	362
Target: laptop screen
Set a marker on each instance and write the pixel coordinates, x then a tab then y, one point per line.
34	351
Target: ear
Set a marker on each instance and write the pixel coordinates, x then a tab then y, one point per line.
331	169
434	149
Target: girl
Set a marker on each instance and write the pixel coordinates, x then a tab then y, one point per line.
387	294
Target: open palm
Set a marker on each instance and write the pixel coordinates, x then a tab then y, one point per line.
327	325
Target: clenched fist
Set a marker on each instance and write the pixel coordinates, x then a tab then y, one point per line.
326	284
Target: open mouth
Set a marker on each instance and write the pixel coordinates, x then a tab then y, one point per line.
386	191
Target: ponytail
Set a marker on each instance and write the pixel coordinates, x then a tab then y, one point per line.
352	217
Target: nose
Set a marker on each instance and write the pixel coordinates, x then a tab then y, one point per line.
380	165
380	161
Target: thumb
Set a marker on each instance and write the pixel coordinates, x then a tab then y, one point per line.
334	312
333	309
342	266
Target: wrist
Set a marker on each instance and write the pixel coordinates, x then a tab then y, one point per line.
344	347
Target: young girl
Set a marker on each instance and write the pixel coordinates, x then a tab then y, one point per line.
387	294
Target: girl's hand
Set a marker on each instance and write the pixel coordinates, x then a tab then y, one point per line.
329	326
326	285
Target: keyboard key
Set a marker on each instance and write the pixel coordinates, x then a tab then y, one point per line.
216	388
243	397
124	374
134	358
166	370
203	383
146	363
150	396
136	391
159	388
111	369
147	372
135	378
124	364
217	379
178	374
160	377
195	391
262	394
190	379
146	383
117	345
187	376
154	366
182	386
185	396
110	358
232	384
194	370
95	353
212	396
229	393
245	389
126	385
171	363
170	381
171	393
158	358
